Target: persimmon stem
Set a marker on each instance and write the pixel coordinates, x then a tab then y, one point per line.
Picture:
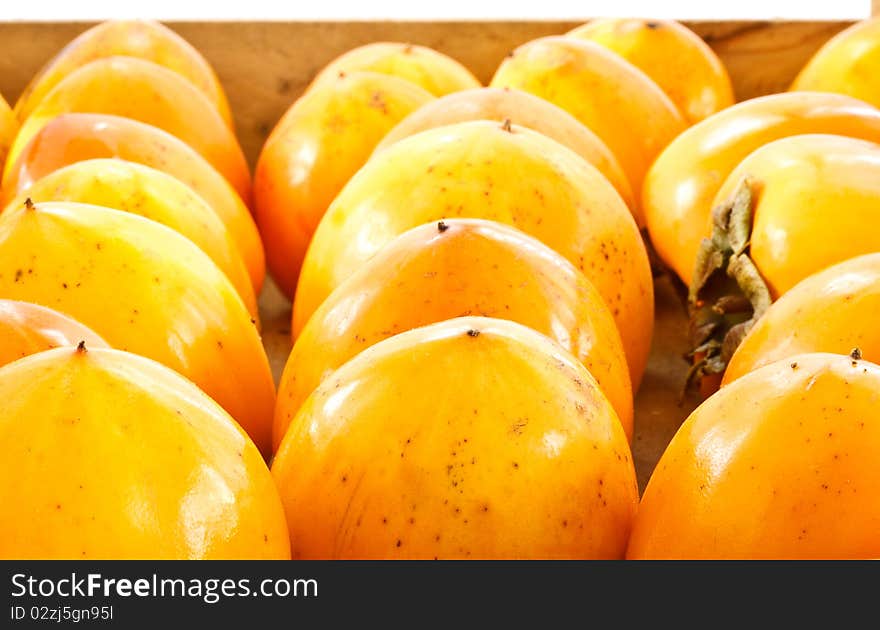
727	294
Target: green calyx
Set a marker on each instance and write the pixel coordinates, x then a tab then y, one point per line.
727	294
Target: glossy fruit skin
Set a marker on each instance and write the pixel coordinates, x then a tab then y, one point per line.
676	59
27	328
439	271
815	196
847	64
152	194
322	140
613	98
143	39
682	184
150	93
782	463
834	310
145	289
108	455
470	438
520	108
8	129
431	70
70	138
481	170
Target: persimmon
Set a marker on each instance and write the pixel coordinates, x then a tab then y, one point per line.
487	170
834	310
145	289
108	455
792	208
781	463
8	129
143	39
70	138
469	438
152	194
322	140
431	70
27	328
848	63
448	269
609	95
681	185
144	91
675	57
520	108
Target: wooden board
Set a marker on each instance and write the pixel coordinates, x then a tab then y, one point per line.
265	66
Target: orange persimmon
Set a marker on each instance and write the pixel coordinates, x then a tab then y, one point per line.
487	170
27	328
322	140
431	70
781	463
108	455
848	63
71	138
834	310
680	186
520	108
613	98
152	194
448	269
143	39
675	57
469	438
146	289
150	93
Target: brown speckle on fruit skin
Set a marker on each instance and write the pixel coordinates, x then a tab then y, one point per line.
29	204
473	333
442	226
81	347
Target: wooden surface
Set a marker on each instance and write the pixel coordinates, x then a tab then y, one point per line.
265	65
